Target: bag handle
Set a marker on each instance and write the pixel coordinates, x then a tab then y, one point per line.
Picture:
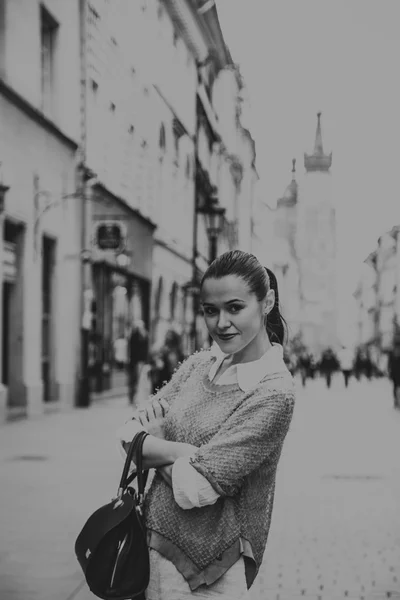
135	450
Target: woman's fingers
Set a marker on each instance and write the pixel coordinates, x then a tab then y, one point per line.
157	410
142	417
164	406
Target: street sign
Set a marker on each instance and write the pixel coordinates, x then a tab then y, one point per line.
110	235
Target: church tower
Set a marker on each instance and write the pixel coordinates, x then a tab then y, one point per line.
316	249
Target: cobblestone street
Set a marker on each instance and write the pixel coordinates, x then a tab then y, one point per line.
336	526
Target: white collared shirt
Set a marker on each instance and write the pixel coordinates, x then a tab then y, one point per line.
248	375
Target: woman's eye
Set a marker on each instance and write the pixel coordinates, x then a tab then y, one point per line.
209	311
234	309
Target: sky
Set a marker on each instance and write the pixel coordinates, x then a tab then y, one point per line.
340	57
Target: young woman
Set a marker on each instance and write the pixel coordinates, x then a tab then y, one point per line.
216	435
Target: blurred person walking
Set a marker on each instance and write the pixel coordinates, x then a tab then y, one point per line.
328	365
166	359
394	369
216	432
304	366
138	356
346	360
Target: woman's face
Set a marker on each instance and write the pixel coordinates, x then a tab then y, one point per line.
235	318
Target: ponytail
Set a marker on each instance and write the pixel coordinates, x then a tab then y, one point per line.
275	324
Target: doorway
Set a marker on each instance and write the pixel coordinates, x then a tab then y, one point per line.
48	346
12	309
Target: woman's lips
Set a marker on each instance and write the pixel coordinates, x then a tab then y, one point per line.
226	336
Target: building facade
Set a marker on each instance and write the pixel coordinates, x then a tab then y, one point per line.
40	270
113	148
377	295
121	149
366	301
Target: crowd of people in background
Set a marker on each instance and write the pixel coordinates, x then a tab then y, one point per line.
356	363
149	367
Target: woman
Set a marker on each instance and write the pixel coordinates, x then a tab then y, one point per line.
216	435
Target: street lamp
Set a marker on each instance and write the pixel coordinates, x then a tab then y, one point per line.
215	216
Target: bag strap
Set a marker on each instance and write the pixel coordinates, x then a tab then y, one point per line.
141	475
134	451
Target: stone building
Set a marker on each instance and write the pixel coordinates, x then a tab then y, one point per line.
366	302
377	295
110	148
40	270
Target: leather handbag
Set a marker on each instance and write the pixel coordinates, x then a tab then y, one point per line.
112	546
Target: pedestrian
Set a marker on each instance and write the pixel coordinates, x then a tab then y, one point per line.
304	366
328	365
138	355
166	359
121	352
394	368
346	363
216	435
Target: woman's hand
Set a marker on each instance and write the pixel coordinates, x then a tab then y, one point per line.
152	416
166	473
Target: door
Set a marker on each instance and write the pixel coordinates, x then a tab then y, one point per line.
48	256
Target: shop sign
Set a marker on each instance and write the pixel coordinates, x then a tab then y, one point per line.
110	235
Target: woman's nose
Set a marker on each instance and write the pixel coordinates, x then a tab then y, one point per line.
223	320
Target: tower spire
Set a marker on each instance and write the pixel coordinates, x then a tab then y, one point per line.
318	161
318	148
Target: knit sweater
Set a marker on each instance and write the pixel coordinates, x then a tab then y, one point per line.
239	436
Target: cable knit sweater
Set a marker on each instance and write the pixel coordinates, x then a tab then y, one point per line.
239	436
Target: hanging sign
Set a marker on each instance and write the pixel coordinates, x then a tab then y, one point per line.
110	235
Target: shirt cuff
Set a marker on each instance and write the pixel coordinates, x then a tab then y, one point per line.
190	488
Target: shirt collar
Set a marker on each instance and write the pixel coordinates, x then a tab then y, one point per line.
251	373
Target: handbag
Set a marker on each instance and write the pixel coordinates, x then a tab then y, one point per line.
112	546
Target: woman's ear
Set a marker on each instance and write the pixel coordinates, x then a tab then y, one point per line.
269	301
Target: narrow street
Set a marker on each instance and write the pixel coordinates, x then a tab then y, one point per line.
336	526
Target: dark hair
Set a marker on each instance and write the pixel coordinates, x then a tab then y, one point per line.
259	280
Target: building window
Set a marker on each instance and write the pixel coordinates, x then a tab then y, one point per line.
173	300
176	149
48	38
162	142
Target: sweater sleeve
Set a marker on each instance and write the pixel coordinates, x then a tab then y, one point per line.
254	434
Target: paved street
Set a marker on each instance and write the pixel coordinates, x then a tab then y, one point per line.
336	526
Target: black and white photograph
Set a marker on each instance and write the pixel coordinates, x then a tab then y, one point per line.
200	299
